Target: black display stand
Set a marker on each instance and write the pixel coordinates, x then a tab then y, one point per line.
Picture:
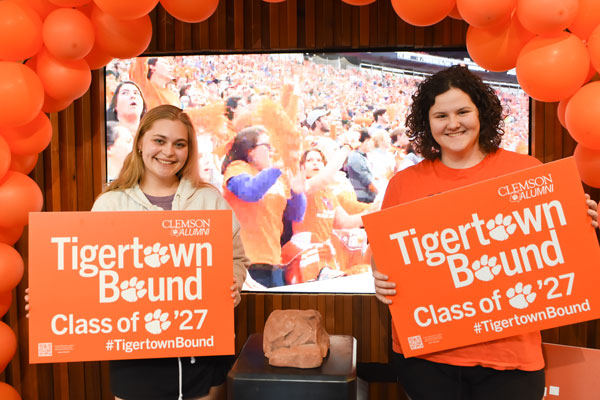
253	378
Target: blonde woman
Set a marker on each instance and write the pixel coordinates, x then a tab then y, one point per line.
161	173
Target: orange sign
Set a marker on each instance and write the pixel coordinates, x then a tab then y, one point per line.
126	285
506	256
571	372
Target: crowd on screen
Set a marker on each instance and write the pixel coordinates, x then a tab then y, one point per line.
301	104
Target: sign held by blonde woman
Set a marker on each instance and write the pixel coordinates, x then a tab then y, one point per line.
130	285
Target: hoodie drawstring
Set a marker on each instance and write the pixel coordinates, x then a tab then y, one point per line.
180	379
192	361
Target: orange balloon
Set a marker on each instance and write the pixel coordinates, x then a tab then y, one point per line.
550	69
7	392
7	352
591	72
53	105
497	48
20	31
423	13
191	12
5	157
276	1
356	2
560	111
97	58
547	17
5	302
31	138
70	3
126	9
11	268
68	34
87	9
588	164
21	94
455	13
486	13
63	80
11	234
122	39
23	163
583	116
32	63
593	46
587	19
19	195
41	7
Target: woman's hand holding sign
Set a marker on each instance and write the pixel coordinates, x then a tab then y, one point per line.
383	287
592	210
27	302
235	292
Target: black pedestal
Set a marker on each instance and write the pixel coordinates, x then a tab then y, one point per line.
253	378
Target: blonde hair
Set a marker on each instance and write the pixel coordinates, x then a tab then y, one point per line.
133	168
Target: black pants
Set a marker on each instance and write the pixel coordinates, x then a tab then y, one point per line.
427	380
158	378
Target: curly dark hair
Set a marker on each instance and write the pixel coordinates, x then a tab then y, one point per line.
483	96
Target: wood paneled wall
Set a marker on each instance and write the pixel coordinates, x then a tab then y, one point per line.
71	171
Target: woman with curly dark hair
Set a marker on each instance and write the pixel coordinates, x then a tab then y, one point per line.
488	107
455	122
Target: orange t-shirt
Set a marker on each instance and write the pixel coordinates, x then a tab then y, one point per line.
319	215
261	221
431	177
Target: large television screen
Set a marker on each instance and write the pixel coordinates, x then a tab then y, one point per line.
297	102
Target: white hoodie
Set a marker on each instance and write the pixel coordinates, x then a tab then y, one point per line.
187	197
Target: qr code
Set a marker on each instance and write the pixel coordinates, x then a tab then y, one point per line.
415	342
44	349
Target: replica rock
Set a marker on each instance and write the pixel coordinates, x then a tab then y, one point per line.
295	338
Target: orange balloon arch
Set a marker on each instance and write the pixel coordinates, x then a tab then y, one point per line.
62	40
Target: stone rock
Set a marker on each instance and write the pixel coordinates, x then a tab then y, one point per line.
302	356
295	338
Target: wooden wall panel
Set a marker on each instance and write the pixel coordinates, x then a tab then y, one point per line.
71	171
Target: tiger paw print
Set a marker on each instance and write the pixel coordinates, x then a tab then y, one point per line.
156	255
520	296
157	322
486	268
132	290
501	227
